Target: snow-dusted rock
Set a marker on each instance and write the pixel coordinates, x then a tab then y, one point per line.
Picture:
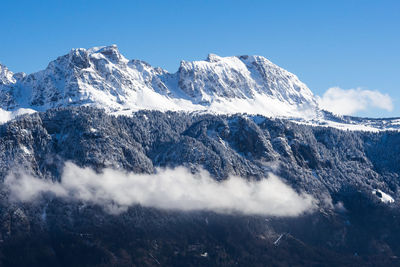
6	76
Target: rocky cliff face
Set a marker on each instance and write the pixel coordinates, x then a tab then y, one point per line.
6	76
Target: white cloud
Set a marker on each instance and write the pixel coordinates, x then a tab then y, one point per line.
347	102
176	189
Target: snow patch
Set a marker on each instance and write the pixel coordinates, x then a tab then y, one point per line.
385	198
6	116
26	150
204	255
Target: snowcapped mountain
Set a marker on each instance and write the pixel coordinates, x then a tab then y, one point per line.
353	176
102	77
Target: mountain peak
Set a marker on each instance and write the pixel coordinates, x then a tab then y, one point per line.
81	57
6	76
213	58
110	52
242	77
99	49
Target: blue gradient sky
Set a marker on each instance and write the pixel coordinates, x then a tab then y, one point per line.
326	43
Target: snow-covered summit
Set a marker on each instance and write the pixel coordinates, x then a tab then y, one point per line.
243	77
102	77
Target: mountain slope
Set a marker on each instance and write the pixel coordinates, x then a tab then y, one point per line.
343	170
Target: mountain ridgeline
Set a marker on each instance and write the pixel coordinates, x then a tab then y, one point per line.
106	114
102	77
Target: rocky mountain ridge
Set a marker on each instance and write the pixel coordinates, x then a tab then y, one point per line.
102	77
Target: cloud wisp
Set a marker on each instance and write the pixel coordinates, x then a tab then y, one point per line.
172	189
348	102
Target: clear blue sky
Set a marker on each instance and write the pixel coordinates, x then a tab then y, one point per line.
326	43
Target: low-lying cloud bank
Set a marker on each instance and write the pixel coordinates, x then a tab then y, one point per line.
174	189
348	102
